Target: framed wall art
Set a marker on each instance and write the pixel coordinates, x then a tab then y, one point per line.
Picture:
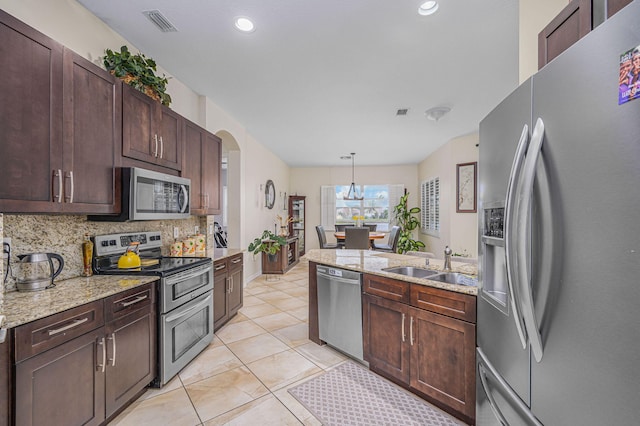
466	192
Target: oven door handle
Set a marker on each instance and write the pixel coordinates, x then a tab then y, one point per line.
189	311
177	278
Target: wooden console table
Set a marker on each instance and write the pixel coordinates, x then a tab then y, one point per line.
286	258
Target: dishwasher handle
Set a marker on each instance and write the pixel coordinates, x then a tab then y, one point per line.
338	279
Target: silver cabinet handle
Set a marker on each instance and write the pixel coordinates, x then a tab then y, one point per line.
523	248
510	254
113	341
220	267
206	200
234	261
69	198
104	355
75	323
232	286
58	195
161	147
228	285
403	333
134	301
155	152
411	331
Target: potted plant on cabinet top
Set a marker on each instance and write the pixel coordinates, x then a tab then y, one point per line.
407	222
139	72
269	243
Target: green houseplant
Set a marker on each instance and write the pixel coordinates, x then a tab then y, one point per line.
408	221
139	72
269	243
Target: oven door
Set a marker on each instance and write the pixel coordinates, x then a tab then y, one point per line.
180	288
184	333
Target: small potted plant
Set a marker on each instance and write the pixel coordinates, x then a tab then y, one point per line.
137	71
269	243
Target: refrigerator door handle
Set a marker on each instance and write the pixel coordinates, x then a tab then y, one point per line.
485	368
510	232
523	248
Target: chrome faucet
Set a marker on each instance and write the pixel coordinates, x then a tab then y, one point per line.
426	261
447	258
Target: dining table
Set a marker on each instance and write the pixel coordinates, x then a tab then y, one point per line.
373	235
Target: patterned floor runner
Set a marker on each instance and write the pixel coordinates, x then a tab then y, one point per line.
352	395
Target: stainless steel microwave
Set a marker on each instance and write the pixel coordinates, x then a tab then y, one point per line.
149	195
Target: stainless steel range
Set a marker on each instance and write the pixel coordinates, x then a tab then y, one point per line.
185	310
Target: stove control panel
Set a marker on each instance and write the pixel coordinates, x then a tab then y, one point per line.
117	243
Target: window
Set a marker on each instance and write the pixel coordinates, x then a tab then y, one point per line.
376	207
430	207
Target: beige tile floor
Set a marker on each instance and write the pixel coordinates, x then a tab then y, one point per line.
243	376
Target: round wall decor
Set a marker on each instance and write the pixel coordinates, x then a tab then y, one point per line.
269	194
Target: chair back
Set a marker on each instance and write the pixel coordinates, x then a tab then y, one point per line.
394	237
322	238
340	228
373	227
356	238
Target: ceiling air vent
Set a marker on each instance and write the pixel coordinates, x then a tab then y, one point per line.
160	21
402	111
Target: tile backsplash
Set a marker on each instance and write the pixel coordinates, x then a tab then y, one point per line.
64	234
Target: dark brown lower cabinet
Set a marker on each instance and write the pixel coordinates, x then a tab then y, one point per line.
5	380
431	354
227	289
85	379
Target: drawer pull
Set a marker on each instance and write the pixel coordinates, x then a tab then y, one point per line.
134	301
234	261
75	323
224	265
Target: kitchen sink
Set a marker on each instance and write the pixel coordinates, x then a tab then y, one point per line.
455	278
412	271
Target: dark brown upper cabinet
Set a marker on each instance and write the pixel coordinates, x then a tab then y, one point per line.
59	131
151	132
202	164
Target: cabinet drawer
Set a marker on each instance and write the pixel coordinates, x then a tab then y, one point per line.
386	287
220	266
235	262
46	333
122	304
452	304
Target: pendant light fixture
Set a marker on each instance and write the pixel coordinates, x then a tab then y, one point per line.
354	191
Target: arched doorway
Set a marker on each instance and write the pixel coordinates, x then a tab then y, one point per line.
231	183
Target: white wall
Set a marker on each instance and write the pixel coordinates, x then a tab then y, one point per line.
457	230
307	181
534	16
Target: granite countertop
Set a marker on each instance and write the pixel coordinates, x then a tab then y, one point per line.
372	262
222	253
23	307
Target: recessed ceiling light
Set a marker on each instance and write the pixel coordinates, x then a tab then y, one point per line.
428	8
244	24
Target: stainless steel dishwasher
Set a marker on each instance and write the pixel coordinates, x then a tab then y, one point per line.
340	309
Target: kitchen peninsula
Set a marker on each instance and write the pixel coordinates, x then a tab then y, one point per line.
417	332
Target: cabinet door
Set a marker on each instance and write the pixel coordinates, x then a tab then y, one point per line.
443	360
92	132
236	290
170	139
211	166
131	357
64	385
220	294
5	380
571	24
139	122
192	168
30	119
386	337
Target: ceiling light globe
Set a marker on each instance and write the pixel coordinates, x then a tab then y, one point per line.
428	8
244	24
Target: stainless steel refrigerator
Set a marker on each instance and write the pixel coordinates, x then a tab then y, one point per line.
559	196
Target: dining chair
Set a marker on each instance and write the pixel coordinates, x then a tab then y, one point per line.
356	238
340	228
373	227
392	241
322	239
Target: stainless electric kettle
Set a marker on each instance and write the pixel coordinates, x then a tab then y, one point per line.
36	272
